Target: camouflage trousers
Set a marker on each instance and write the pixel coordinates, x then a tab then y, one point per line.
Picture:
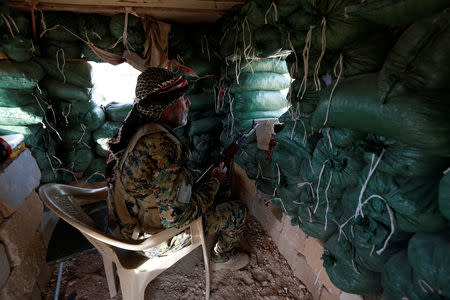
228	221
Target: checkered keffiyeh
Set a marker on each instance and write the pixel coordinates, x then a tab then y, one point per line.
157	89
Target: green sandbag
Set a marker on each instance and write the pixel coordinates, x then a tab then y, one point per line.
62	26
413	201
295	39
267	81
259	114
20	116
429	257
288	164
135	31
20	75
22	20
338	260
93	119
6	130
444	196
344	137
340	30
395	12
73	109
19	48
76	73
413	119
108	44
60	49
204	125
311	220
201	102
255	11
275	65
301	20
367	54
251	101
106	131
76	139
79	160
267	40
297	66
96	170
419	59
117	111
304	102
264	185
343	165
16	97
93	27
399	158
399	281
65	91
287	7
368	237
202	66
295	137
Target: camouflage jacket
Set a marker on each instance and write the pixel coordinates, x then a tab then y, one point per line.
158	186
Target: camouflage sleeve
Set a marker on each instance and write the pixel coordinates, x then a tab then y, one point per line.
171	183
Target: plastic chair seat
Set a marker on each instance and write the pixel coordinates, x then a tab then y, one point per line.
134	270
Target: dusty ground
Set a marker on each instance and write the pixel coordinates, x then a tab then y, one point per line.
268	276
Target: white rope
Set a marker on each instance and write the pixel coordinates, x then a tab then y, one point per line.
329	138
322	53
363	189
318	184
328	203
341	67
61	68
421	283
268	10
306	60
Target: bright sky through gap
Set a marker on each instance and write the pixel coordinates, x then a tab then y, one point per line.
113	83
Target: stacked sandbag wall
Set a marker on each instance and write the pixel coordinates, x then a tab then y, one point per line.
47	89
193	50
361	160
257	91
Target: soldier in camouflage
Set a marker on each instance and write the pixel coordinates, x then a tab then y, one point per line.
151	183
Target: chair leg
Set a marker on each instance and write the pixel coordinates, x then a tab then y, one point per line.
133	284
206	259
110	278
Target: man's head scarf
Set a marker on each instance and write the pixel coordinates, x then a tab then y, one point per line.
156	90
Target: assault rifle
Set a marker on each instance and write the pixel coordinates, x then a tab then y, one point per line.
228	154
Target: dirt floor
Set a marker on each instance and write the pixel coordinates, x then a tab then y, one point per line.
268	276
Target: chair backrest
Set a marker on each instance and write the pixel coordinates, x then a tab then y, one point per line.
60	199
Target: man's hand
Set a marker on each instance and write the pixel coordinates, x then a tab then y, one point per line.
220	172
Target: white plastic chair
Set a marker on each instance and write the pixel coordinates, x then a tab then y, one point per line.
134	270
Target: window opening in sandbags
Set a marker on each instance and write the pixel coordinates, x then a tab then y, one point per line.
113	83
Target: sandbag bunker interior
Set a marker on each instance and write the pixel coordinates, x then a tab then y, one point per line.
348	171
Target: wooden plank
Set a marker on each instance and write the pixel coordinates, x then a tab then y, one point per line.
170	14
174	4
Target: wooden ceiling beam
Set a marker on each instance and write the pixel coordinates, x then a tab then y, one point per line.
185	11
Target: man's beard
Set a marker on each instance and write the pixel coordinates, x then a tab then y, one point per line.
180	122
